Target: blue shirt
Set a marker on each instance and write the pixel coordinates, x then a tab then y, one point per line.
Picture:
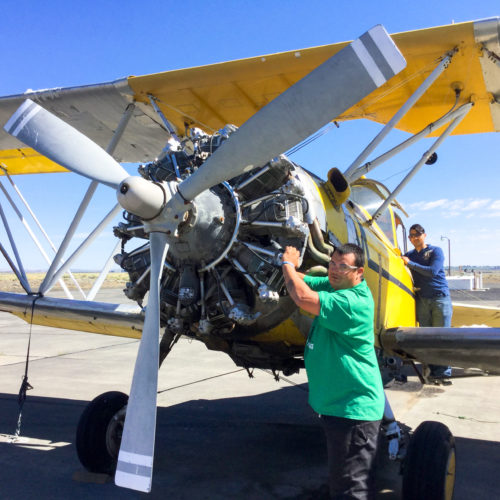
427	269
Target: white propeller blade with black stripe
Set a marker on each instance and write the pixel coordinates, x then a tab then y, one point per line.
135	460
63	144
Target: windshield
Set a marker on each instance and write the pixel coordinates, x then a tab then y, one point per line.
370	200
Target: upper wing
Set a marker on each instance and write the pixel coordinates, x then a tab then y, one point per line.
231	92
94	110
473	68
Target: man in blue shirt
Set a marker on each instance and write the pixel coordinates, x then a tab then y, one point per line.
433	302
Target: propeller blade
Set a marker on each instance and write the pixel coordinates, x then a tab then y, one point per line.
135	459
325	93
52	137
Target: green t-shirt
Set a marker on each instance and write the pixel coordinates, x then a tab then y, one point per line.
342	369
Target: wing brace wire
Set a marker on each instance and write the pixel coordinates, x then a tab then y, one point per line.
31	234
19	272
47	285
39	225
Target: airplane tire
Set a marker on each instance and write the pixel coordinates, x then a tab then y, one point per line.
98	434
429	467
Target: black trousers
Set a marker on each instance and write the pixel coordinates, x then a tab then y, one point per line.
352	446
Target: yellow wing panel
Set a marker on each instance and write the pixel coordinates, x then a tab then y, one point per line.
423	50
26	161
101	327
231	92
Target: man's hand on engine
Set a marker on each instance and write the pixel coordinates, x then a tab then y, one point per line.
292	255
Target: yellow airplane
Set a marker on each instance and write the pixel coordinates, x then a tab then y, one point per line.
215	204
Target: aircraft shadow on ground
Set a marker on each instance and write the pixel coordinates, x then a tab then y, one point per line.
261	445
200	444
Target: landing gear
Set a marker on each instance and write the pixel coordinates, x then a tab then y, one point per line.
99	432
429	467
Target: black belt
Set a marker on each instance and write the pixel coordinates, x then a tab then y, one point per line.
434	296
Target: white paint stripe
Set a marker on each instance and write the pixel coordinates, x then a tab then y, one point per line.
368	62
135	458
26	119
133	481
17	114
388	48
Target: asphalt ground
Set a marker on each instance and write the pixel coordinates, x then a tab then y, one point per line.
220	434
489	296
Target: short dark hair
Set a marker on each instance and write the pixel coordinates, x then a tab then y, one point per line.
418	229
359	257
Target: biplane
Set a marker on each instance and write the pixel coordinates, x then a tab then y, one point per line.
217	199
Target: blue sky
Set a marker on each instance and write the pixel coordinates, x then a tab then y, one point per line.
58	44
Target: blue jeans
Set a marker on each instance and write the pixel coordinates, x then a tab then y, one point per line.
436	311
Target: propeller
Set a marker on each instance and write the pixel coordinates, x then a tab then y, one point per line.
332	88
135	459
58	141
325	93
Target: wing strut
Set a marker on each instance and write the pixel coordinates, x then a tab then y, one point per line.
20	273
48	281
354	172
464	110
448	117
40	227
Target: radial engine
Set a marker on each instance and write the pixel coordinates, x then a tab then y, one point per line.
222	281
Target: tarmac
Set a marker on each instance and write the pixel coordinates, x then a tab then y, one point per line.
220	434
487	297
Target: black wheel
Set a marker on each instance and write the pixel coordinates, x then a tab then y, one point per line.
429	467
99	432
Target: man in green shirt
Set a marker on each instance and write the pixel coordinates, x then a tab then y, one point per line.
345	387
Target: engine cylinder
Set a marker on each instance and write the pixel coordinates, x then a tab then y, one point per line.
223	270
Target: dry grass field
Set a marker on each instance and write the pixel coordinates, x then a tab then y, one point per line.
9	282
491	278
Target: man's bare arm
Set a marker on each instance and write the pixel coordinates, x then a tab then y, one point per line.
300	293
